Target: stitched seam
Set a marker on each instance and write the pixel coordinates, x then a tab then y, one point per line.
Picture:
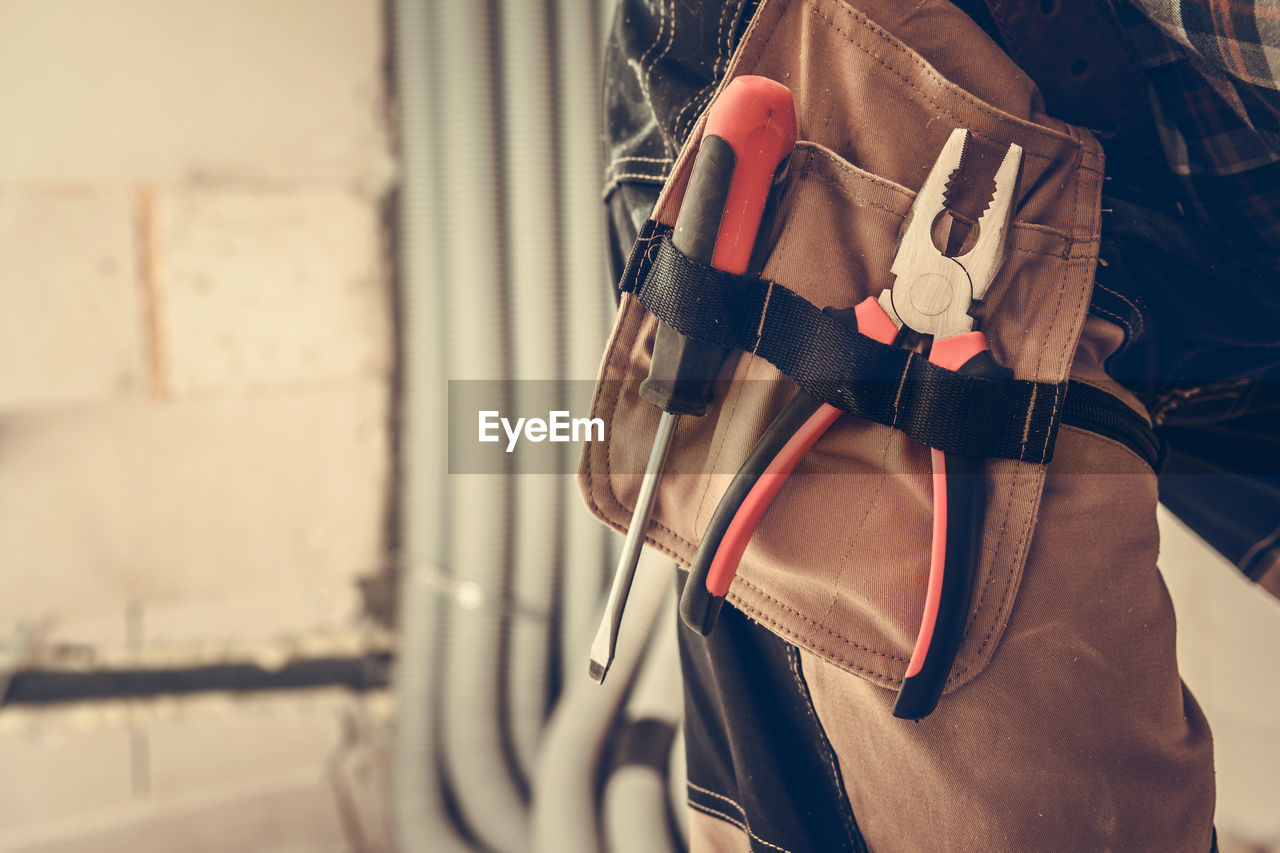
1082	167
1136	310
671	41
622	176
614	178
954	90
620	179
832	655
816	150
764	312
1128	329
902	381
635	158
740	824
722	37
823	628
1004	524
809	171
699	97
857	531
1059	392
1008	583
646	64
723	29
1026	426
720	439
793	658
711	793
705	90
1018	556
613	414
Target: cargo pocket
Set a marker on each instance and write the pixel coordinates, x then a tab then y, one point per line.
839	564
1079	735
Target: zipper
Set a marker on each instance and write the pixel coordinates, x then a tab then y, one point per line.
1093	409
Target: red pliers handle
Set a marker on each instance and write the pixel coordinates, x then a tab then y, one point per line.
957	518
959	501
790	436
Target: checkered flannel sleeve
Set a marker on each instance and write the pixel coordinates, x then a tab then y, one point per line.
1214	70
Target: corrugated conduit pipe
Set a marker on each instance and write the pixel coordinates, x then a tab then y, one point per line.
457	531
501	249
420	820
538	324
474	738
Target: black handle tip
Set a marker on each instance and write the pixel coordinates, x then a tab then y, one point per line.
699	609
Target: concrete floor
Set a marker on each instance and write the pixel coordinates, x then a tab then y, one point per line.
289	772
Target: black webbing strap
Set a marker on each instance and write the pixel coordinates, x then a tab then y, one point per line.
965	415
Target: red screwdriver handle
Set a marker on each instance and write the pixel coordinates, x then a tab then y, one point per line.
752	129
756	117
750	132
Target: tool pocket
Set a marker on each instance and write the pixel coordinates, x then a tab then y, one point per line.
839	564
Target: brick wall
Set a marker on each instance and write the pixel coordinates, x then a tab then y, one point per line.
195	349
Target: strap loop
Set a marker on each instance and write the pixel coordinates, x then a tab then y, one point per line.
885	384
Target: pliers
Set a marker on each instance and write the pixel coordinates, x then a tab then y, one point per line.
931	295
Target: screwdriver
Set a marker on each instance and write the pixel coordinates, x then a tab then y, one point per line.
750	132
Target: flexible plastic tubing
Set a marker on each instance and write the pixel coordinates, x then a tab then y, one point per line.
576	740
590	549
635	812
420	821
635	806
473	736
678	789
537	311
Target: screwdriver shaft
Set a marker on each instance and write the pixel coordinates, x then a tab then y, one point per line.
748	138
606	641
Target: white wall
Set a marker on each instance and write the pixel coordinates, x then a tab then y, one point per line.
195	351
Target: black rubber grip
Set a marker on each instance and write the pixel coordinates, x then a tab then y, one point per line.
966	502
698	607
683	372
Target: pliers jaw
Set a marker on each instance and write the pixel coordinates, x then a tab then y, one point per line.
932	293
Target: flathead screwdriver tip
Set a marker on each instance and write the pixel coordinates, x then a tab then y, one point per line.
598	671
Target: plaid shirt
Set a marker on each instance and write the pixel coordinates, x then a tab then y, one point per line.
1214	70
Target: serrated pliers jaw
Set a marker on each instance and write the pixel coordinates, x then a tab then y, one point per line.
932	293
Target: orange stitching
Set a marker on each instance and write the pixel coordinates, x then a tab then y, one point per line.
835	657
1137	312
875	498
836	634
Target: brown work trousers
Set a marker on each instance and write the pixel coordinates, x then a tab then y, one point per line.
1064	725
